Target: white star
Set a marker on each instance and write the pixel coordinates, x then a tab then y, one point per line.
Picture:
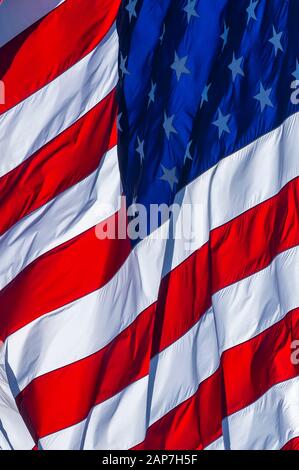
122	67
190	9
179	65
151	94
235	67
131	8
140	148
251	10
204	95
163	34
221	123
224	35
187	153
296	72
168	126
276	40
118	122
169	175
264	97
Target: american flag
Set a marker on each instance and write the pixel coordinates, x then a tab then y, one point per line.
156	341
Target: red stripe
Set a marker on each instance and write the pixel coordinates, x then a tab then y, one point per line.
100	375
229	242
246	372
66	273
293	444
235	250
52	45
63	162
192	424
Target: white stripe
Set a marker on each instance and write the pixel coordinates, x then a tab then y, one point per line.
238	313
268	423
248	307
216	445
41	117
13	432
123	417
178	370
127	305
181	364
72	212
136	284
66	335
18	15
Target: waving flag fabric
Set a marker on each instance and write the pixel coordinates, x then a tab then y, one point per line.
157	341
